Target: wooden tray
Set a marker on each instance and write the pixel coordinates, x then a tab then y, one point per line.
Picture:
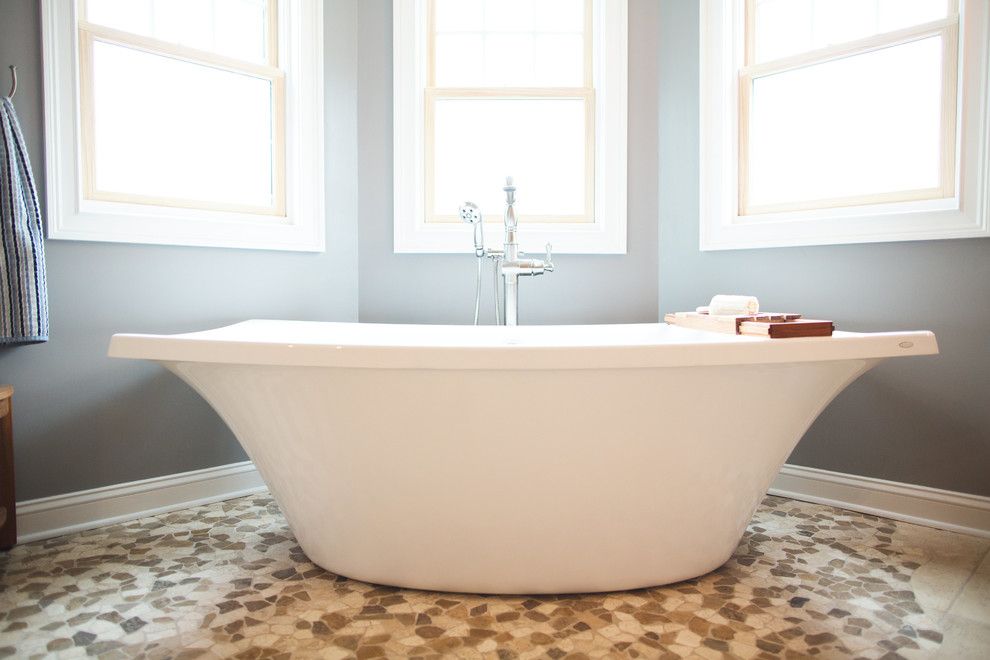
776	325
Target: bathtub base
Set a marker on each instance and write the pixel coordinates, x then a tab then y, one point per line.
647	487
516	460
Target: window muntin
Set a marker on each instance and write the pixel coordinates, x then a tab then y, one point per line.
496	77
166	124
869	121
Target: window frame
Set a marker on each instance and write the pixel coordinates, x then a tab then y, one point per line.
923	215
77	212
606	98
584	93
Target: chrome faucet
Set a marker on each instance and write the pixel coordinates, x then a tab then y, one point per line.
508	262
512	267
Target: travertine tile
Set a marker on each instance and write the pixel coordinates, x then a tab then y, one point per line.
973	601
228	580
965	638
945	567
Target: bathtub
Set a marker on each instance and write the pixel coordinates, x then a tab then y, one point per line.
531	459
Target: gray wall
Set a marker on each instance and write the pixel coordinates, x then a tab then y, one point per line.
919	420
440	288
83	420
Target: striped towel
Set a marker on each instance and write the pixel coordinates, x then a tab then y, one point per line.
23	290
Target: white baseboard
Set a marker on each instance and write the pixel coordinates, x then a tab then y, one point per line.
932	507
48	517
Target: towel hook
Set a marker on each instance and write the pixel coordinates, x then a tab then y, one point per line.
13	81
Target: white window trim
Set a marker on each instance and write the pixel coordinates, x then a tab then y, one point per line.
966	215
607	235
71	217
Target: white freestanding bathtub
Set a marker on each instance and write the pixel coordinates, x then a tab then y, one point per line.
532	459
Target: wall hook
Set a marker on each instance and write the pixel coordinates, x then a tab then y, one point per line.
13	81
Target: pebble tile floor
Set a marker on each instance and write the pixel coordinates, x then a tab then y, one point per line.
229	580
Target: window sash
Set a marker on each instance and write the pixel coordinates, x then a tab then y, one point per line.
431	50
434	95
89	33
586	93
947	29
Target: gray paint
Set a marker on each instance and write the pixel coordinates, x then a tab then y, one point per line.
83	420
920	420
440	288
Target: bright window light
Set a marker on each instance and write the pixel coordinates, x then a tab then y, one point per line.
150	141
145	142
846	103
788	27
851	127
232	28
512	89
532	89
478	141
502	43
843	121
185	122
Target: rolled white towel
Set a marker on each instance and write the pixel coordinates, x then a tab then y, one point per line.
723	305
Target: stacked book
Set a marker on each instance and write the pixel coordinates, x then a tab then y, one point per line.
772	325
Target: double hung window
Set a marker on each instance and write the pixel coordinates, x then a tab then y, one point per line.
533	89
171	121
830	121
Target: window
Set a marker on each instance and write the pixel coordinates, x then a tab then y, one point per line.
533	89
188	123
842	121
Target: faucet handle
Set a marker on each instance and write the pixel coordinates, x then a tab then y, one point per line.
548	265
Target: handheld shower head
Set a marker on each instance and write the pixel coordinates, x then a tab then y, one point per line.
471	214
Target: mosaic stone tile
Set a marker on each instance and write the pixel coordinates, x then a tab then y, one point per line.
229	580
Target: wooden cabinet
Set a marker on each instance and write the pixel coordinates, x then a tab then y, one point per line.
8	512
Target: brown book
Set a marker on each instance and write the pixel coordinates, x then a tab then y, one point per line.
787	329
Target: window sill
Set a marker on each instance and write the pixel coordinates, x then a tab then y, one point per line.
910	221
193	228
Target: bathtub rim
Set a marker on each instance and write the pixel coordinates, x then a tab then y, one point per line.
516	348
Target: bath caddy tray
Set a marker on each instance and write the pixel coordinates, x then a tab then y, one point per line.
770	324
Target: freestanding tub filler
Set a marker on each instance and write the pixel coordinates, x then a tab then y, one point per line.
528	459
